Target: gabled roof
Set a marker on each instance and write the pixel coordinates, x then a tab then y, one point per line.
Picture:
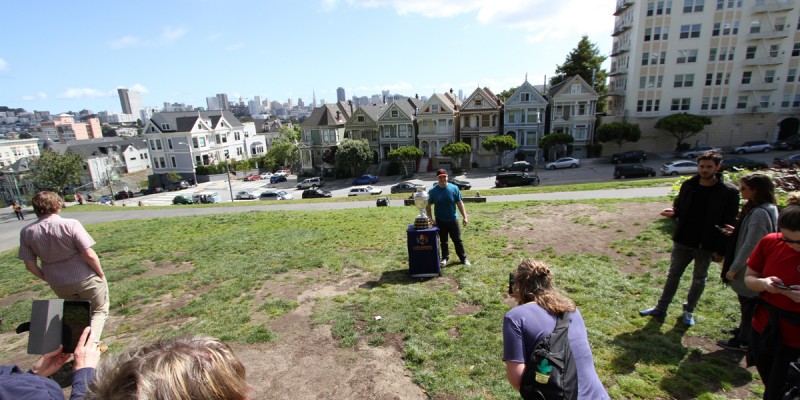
408	107
326	115
22	165
446	100
372	111
563	87
98	147
185	121
489	100
526	87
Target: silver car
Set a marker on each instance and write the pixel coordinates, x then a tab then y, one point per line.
564	162
363	191
245	195
275	195
679	167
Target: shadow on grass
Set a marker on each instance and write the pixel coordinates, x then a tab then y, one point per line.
397	277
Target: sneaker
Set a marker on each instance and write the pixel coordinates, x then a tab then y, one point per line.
466	263
734	331
444	262
733	344
653	312
688	318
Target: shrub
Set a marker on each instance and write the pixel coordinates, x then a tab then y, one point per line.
69	198
456	171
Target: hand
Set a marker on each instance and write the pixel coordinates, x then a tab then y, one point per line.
668	212
730	275
727	230
86	353
50	362
717	258
466	221
769	284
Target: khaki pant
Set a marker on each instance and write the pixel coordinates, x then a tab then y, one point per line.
93	289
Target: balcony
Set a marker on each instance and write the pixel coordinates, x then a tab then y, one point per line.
763	61
771	34
618	92
623	48
622	5
618	71
622	27
759	87
772	6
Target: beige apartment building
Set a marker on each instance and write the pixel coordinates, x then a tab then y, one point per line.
735	61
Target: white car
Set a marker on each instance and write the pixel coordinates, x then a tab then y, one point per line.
275	195
265	175
564	162
679	167
697	151
363	191
246	194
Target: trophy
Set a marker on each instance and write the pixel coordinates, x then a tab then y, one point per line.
421	201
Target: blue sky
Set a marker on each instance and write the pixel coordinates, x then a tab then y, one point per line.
70	56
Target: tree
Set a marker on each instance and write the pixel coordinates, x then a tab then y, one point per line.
505	94
404	155
57	171
353	155
283	153
456	151
500	144
618	132
682	126
555	143
108	131
25	135
585	60
289	134
174	177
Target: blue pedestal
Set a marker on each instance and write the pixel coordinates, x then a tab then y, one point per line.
423	252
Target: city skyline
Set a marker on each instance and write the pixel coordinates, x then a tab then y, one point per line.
187	50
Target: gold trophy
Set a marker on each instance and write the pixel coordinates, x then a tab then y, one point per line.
421	201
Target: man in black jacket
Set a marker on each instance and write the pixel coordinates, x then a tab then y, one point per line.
704	203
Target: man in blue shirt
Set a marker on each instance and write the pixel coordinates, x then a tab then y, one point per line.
446	198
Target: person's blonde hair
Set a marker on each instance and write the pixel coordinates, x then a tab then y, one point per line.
181	368
533	282
46	203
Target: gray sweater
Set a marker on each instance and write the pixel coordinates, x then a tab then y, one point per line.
759	222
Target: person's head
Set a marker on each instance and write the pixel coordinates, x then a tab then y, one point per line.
533	282
46	203
441	177
181	368
757	189
708	164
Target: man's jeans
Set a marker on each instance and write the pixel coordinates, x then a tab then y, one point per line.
680	259
451	229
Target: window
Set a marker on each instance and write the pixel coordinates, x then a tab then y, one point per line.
746	75
394	114
687	56
647	34
774	50
650	82
787	100
796	50
194	142
360	118
709	79
690	31
769	76
681	104
755	26
750	53
764	101
693	6
742	102
715	103
650	8
478	102
704	103
434	108
791	75
237	136
169	144
174	164
779	24
796	102
725	28
158	144
152	144
532	116
712	55
684	80
645	58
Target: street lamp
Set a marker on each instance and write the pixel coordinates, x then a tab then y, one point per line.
228	169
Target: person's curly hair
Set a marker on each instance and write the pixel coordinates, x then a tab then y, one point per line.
180	368
46	203
533	282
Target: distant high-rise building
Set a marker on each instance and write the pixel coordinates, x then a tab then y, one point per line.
460	94
213	103
131	102
313	100
222	98
340	94
300	103
386	95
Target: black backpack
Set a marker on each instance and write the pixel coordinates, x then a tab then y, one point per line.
550	372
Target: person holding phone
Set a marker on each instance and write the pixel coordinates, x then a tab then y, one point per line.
34	384
68	263
773	273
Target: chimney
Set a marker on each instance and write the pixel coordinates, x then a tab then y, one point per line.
338	115
350	102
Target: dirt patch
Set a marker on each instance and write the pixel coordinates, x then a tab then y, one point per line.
466	309
166	268
13	298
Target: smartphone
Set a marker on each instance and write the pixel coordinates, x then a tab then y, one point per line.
781	286
75	319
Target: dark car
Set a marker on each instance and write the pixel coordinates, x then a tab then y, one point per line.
523	166
277	178
731	163
633	156
315	193
787	160
406	187
633	171
122	194
365	180
180	185
515	179
462	185
183	199
152	190
790	143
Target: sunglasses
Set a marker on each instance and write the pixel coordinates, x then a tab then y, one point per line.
785	240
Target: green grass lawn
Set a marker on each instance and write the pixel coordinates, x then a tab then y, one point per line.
217	264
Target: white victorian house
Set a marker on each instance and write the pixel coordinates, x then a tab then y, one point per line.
524	119
479	118
363	124
573	104
322	132
436	120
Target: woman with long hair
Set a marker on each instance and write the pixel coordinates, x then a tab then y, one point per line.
758	217
773	273
539	304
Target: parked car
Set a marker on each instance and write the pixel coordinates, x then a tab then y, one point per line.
277	178
315	193
206	198
182	199
636	156
679	167
406	187
523	166
787	160
731	163
632	171
363	191
753	146
515	179
282	171
311	183
790	143
462	185
245	195
265	175
253	177
275	195
106	199
122	194
564	162
365	180
697	151
152	190
180	185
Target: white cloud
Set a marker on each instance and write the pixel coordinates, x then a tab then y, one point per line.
137	87
83	93
37	96
235	46
123	42
4	66
169	34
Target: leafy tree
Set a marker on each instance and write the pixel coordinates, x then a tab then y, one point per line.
57	171
289	134
108	131
282	153
583	60
456	151
404	155
500	144
555	143
174	177
683	126
329	155
25	135
353	155
505	94
618	132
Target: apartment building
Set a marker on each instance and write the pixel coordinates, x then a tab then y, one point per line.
13	150
735	61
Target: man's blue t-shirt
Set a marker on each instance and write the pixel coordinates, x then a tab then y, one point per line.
443	200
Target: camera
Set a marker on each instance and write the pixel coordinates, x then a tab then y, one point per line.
511	284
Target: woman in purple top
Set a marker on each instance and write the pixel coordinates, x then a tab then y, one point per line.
535	317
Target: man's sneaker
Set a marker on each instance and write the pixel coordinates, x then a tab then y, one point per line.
733	344
734	331
653	312
444	262
466	263
688	318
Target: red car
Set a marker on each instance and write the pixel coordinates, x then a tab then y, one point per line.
253	177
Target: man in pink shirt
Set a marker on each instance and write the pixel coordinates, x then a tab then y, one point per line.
59	251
